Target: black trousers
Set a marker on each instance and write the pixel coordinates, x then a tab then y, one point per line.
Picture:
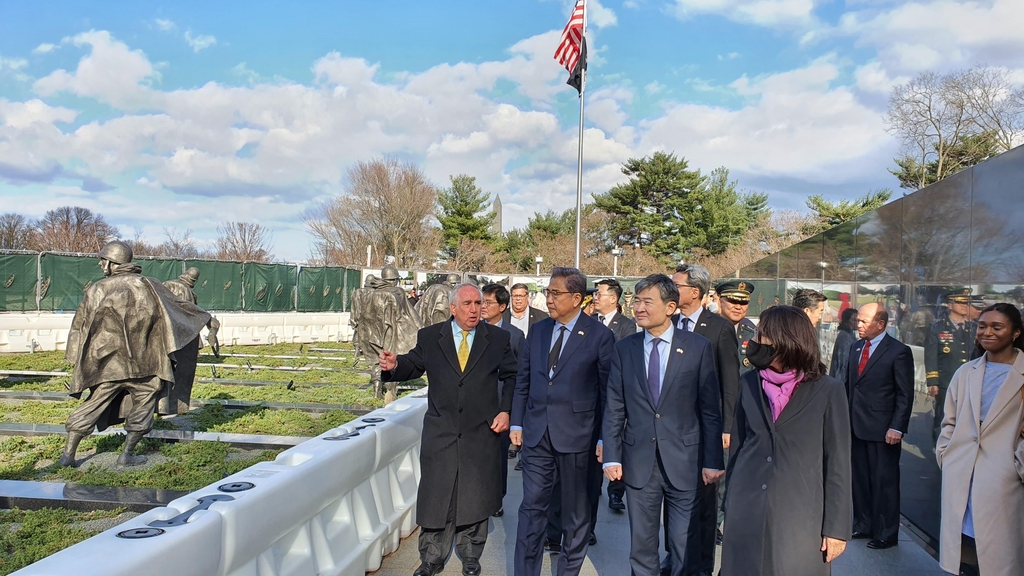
645	507
616	488
435	545
504	442
542	464
968	556
876	489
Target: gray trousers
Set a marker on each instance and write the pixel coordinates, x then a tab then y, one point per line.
142	394
435	545
644	508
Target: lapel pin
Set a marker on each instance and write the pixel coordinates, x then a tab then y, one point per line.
581	333
680	350
703	325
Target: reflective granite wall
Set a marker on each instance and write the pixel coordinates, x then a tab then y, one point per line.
965	231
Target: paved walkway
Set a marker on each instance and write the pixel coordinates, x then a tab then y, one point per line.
610	557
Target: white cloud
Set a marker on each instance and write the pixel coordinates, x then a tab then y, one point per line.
14	64
925	35
654	87
201	42
24	114
164	24
601	16
111	73
44	48
770	13
729	56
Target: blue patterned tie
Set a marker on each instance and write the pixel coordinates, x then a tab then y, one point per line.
654	371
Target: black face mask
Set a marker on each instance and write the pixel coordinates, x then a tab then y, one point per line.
760	355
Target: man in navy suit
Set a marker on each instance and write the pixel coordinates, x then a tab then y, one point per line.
496	299
880	382
555	417
670	445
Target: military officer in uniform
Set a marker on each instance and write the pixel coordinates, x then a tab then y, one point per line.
948	346
734	302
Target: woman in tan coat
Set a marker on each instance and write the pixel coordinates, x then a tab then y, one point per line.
980	451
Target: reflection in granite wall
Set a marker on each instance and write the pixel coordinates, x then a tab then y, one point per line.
966	231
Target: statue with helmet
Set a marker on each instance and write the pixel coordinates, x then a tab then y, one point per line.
178	396
384	321
122	341
433	305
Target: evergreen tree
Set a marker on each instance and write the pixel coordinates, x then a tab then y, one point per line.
464	213
966	152
830	213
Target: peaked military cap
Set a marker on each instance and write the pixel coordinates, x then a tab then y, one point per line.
960	296
738	290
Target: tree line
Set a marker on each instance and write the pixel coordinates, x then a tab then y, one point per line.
80	230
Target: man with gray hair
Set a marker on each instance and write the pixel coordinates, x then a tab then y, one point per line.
460	487
693	282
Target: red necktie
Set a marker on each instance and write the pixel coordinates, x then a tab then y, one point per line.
864	357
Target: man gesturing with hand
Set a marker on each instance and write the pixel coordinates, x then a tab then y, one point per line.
669	446
459	488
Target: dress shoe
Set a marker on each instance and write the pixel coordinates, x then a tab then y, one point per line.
876	544
471	567
427	569
513	452
592	540
860	536
615	503
518	466
499	513
552	546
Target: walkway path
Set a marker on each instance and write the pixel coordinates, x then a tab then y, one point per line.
610	557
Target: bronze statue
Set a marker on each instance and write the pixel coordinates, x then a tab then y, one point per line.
178	395
120	343
433	305
359	327
390	324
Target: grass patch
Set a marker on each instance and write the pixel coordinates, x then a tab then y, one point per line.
306	376
299	394
284	349
36	384
37	412
40	361
27	536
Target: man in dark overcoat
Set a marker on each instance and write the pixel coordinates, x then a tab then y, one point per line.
460	485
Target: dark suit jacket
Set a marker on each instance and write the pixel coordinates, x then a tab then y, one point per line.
841	354
620	326
883	396
727	358
566	405
686	423
517	340
461	405
535	316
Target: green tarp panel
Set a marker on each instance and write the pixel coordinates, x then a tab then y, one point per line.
162	270
220	284
268	287
354	279
17	282
321	289
64	280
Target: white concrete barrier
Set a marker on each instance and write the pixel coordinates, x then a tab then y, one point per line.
333	506
43	331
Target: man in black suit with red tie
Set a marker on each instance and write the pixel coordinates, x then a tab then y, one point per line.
880	382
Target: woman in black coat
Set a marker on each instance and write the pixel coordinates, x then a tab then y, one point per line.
789	503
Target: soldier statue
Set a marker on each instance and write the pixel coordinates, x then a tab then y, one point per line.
948	346
177	398
433	305
121	341
390	324
359	327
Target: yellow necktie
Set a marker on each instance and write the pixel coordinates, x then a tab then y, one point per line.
464	350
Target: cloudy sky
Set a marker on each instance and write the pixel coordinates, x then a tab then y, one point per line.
182	115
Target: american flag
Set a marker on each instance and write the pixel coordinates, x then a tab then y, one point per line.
568	52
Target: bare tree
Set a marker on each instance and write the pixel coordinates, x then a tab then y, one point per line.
937	116
179	245
72	229
770	233
245	241
16	232
387	206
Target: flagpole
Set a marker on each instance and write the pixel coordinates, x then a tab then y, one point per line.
579	162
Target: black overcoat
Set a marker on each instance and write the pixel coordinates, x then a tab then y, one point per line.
788	482
457	437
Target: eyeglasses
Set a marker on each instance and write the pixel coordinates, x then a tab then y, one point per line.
554	293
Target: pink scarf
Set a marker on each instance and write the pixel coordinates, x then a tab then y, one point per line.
779	387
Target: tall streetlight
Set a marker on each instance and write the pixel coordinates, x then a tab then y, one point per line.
538	260
616	252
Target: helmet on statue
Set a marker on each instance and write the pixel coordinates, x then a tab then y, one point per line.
117	252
